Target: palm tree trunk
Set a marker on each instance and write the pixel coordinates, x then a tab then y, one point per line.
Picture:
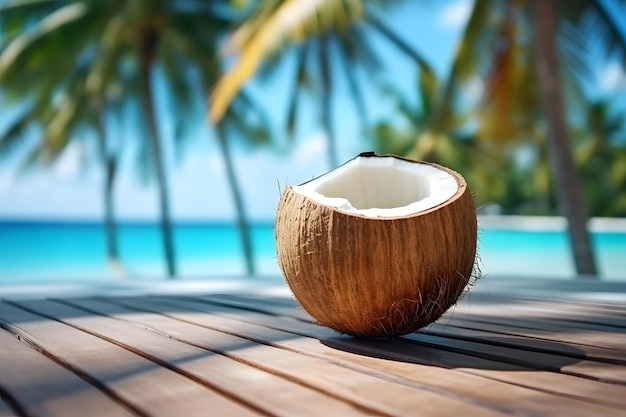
111	171
242	222
327	123
110	168
147	52
326	103
568	184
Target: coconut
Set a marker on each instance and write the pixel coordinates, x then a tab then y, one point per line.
381	246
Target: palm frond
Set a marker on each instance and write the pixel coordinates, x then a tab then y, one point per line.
58	19
19	5
14	14
427	91
574	58
610	30
33	157
288	20
389	139
198	50
324	51
347	55
103	69
398	42
300	80
474	41
259	119
246	120
46	55
182	95
12	137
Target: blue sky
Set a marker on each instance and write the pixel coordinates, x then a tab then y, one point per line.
199	190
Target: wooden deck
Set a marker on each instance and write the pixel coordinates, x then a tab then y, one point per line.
511	348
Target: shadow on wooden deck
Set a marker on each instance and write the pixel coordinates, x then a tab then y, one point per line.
527	351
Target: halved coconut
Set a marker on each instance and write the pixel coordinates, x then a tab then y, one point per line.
378	247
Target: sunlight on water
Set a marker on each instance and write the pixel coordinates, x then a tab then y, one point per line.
57	251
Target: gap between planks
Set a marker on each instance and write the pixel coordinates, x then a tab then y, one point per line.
494	361
226	328
611	351
364	389
35	384
123	375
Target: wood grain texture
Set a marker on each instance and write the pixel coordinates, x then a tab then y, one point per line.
262	390
524	339
555	309
234	354
561	384
588	328
379	395
538	360
400	363
142	385
44	388
484	325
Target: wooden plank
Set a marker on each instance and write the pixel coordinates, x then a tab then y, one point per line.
510	309
566	343
567	385
539	341
262	390
584	312
121	373
274	306
609	337
548	308
43	388
602	346
543	361
407	370
370	390
596	292
569	340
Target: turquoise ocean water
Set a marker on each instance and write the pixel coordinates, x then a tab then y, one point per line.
40	251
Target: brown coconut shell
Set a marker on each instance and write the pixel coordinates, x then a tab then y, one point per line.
377	277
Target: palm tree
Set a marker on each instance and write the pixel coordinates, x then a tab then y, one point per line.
328	37
445	142
66	112
235	124
110	163
569	189
486	50
437	143
601	154
502	40
121	41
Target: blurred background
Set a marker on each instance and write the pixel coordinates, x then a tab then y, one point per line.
147	139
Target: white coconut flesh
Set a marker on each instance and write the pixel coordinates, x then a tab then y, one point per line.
383	186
